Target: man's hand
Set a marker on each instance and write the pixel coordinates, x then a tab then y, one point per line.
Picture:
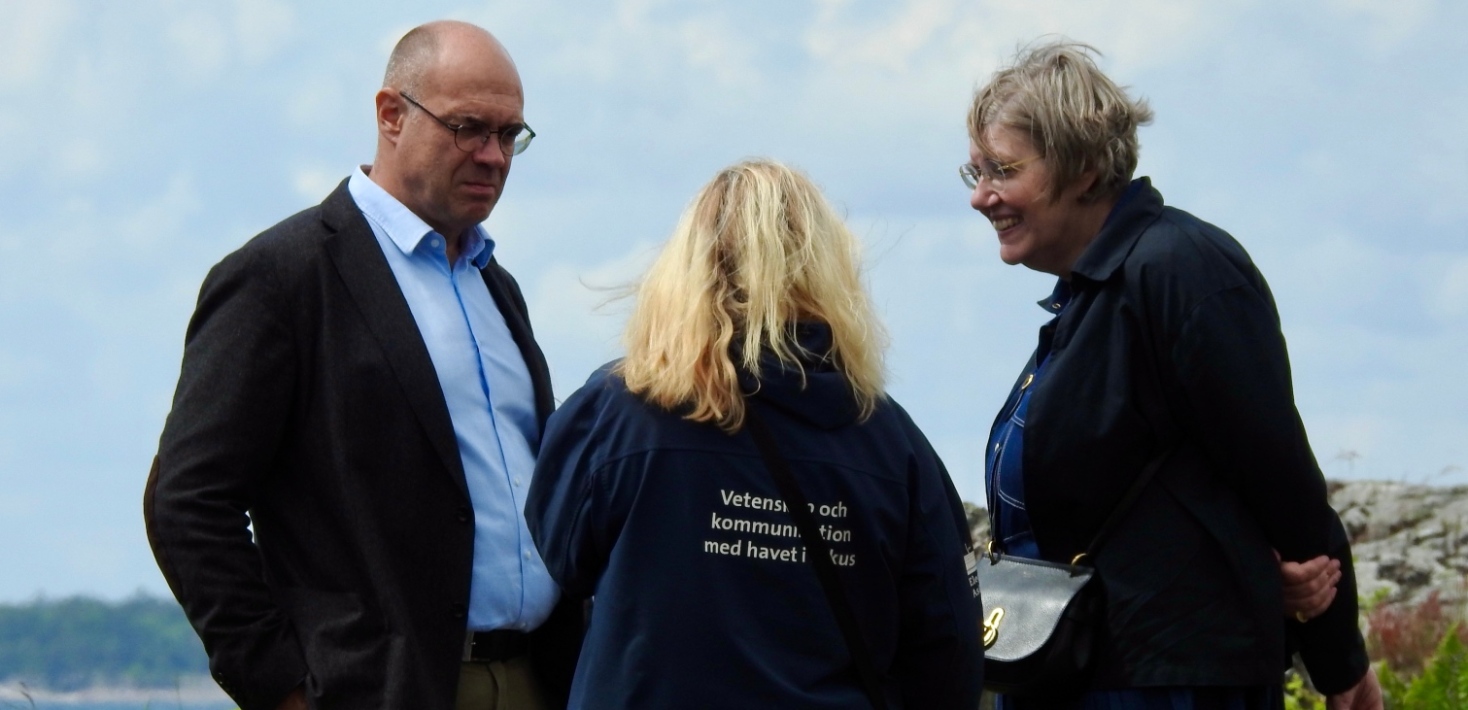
1309	587
1366	695
297	700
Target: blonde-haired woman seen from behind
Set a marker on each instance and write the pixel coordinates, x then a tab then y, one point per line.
651	495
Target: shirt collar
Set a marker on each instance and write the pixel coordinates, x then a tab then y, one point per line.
406	230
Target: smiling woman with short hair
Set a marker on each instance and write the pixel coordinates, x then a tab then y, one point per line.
1164	346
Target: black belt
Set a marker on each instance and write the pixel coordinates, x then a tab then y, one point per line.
497	645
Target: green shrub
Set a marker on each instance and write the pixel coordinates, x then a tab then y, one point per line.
1299	697
1393	687
1443	684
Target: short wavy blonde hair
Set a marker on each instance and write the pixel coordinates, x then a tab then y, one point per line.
1076	117
757	251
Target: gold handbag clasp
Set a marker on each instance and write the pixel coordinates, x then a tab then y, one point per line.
1075	563
991	626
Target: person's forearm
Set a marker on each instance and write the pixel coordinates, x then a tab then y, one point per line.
1331	644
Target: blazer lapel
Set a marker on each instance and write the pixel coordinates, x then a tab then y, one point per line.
370	281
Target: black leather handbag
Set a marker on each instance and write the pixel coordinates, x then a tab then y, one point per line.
1042	620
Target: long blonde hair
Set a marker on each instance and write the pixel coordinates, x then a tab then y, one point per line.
757	251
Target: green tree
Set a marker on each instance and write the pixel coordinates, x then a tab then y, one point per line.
77	642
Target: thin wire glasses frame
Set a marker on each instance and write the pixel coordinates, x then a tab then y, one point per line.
992	171
470	137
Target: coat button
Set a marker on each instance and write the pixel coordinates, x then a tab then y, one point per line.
460	611
465	515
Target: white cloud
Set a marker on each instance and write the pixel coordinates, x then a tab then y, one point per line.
13	124
390	40
1385	25
17	367
201	41
31	34
1438	166
1450	298
209	38
80	156
13	505
153	221
637	44
262	27
960	38
316	102
314	183
889	42
578	319
708	45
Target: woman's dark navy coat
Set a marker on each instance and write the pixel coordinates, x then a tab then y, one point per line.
1172	339
701	595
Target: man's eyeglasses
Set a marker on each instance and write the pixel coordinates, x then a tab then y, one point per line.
991	171
470	137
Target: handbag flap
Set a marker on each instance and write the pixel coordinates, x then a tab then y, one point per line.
1024	601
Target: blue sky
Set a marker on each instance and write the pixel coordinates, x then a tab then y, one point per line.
145	140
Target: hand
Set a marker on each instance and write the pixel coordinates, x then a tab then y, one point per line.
295	701
1366	695
1309	587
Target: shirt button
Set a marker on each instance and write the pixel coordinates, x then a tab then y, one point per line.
526	554
519	482
433	243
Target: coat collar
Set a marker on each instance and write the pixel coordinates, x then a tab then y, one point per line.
1123	227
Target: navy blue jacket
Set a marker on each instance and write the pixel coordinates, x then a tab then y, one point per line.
702	596
1172	341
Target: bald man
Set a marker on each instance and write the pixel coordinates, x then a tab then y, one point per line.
337	497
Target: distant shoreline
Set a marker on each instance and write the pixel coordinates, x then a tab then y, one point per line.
191	691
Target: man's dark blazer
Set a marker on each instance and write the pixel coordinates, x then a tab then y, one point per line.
308	413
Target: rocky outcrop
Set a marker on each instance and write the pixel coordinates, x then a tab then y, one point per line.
1408	540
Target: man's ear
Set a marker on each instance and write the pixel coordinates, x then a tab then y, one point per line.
391	111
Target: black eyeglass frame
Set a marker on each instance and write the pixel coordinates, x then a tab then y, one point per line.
518	142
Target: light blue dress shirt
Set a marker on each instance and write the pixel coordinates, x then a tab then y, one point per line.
490	399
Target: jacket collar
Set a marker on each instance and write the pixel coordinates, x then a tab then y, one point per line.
1140	205
339	211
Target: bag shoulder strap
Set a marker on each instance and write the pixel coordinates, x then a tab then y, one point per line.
820	555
